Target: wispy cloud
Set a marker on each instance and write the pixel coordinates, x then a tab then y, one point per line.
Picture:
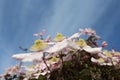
71	15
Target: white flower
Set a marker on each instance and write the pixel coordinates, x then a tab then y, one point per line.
104	44
106	62
59	46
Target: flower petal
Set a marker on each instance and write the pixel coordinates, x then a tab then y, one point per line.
108	64
76	35
100	60
21	56
35	57
62	45
93	50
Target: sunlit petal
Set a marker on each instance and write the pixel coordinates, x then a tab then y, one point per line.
93	50
21	56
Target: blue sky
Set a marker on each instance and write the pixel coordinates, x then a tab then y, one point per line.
20	19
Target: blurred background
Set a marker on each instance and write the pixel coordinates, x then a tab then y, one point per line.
20	19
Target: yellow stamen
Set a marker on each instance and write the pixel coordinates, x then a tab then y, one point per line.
101	60
38	41
53	59
39	45
81	43
59	37
107	53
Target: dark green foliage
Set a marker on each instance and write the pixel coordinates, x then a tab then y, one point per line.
80	69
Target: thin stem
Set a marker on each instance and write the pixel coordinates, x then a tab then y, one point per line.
61	57
46	64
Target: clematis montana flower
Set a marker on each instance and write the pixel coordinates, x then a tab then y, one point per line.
13	70
38	45
104	44
41	68
54	56
102	62
54	63
107	58
36	70
59	37
59	46
88	31
68	44
83	46
40	34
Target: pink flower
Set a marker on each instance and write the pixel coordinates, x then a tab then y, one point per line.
55	65
1	76
104	44
88	31
13	70
40	34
